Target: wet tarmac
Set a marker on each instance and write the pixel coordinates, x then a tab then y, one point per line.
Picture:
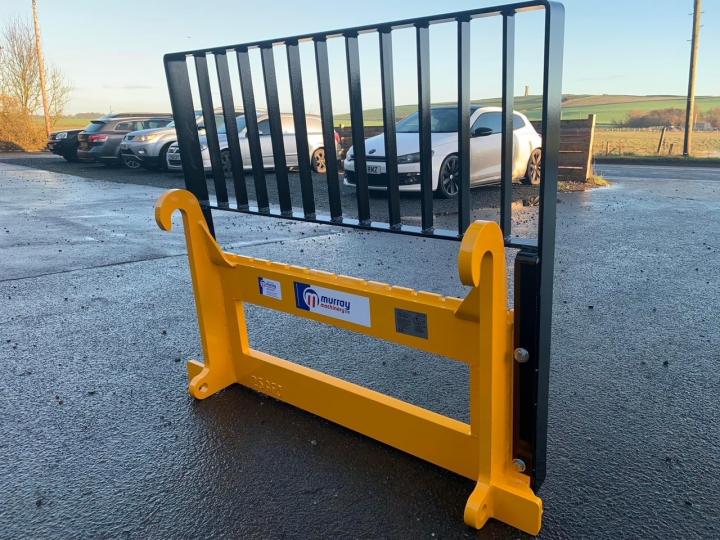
100	438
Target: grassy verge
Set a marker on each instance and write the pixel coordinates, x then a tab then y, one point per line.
593	182
679	161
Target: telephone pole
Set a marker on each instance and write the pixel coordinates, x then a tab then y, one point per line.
690	107
41	67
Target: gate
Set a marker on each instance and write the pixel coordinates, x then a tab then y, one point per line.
504	446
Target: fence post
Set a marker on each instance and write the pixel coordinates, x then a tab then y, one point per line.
591	142
662	139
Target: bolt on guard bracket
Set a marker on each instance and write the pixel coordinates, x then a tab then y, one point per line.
476	330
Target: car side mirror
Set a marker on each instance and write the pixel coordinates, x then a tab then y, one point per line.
481	131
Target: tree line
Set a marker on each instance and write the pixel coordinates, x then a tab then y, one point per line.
20	92
668	117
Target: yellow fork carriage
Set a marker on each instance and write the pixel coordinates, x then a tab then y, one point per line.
507	350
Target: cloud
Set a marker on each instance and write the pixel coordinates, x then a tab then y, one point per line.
130	87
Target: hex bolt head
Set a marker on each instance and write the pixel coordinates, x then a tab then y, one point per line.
521	355
519	465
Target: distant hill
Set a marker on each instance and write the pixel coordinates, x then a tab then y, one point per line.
609	108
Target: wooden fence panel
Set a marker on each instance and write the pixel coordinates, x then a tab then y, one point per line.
576	142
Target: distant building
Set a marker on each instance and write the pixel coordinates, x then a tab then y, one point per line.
703	126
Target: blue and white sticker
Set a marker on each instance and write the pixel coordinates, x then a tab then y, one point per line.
332	303
270	287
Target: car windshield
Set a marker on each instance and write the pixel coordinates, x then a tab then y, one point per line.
240	121
94	126
442	120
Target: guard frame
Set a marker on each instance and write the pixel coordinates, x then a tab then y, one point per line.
534	262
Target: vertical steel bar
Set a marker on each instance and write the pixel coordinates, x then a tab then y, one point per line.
463	67
508	105
423	79
388	100
301	139
358	129
181	102
211	136
276	128
251	129
231	130
326	116
552	98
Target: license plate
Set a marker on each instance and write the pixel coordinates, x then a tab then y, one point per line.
373	169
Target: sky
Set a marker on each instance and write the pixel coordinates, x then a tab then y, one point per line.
111	52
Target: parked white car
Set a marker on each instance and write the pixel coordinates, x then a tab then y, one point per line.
314	135
485	145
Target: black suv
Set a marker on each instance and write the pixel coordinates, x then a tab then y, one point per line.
64	143
100	140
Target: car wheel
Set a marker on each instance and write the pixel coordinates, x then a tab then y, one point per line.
447	187
226	163
319	164
534	168
162	158
131	162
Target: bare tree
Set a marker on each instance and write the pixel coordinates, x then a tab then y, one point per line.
19	71
58	93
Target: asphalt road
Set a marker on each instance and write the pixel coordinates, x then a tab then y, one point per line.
100	438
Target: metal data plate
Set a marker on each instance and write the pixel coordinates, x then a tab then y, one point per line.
412	323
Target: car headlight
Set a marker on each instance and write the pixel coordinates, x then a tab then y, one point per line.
147	138
412	158
61	135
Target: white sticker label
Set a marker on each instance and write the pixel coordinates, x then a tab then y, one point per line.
332	303
270	287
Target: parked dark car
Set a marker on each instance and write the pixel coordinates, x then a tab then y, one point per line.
64	143
100	140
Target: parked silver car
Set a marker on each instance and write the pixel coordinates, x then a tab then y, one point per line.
315	144
148	147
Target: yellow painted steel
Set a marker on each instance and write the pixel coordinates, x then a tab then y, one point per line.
476	330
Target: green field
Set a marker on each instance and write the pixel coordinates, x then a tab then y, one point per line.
608	108
70	122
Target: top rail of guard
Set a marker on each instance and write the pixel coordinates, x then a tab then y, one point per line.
391	221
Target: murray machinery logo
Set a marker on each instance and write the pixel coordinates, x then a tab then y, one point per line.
311	298
332	303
